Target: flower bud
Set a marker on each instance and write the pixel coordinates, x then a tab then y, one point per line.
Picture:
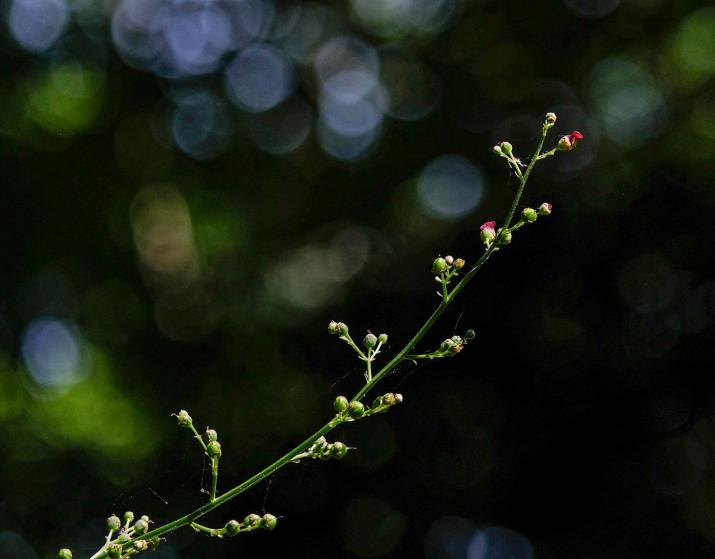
183	418
382	338
446	345
213	449
145	518
129	517
64	554
141	526
251	521
470	334
115	551
449	260
389	399
529	215
268	522
113	523
339	450
504	236
211	435
343	328
141	545
232	527
341	404
459	264
567	143
488	234
398	398
123	538
545	209
439	266
356	409
370	340
497	150
550	118
377	402
506	148
333	328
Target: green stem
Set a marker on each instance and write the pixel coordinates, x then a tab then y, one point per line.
402	355
197	436
214	478
211	531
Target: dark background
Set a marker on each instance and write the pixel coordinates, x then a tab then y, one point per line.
173	240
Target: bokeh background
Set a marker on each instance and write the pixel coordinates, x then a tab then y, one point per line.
192	189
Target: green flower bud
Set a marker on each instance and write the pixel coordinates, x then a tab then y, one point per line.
388	399
115	551
213	449
251	521
268	522
356	409
141	545
123	538
333	328
529	215
370	341
145	518
470	334
183	418
504	236
439	266
113	523
341	404
64	554
506	148
377	402
446	345
449	260
459	264
382	338
211	435
141	526
339	450
497	150
129	517
232	527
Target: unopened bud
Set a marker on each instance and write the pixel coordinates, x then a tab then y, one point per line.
459	263
506	148
268	522
232	527
141	545
211	435
550	118
389	399
567	143
439	266
446	345
113	523
339	450
382	338
529	215
545	209
333	328
470	334
504	236
251	520
141	526
129	517
64	554
341	404
356	409
213	449
497	150
342	328
370	341
448	259
115	551
123	538
487	232
398	398
183	418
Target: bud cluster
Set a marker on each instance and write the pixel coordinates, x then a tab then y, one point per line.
445	269
324	450
351	411
251	522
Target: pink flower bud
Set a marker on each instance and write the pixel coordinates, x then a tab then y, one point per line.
545	209
488	231
567	143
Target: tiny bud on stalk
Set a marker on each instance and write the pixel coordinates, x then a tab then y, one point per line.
504	236
333	328
356	409
449	260
487	231
459	264
211	435
339	450
506	148
470	334
64	554
545	209
529	215
232	527
113	523
341	404
129	517
141	545
370	341
269	522
382	338
141	526
497	150
183	418
567	143
251	520
439	266
550	118
213	449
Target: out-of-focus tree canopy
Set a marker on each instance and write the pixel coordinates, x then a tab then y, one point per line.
192	189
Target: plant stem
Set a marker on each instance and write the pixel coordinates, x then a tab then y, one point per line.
214	478
402	355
